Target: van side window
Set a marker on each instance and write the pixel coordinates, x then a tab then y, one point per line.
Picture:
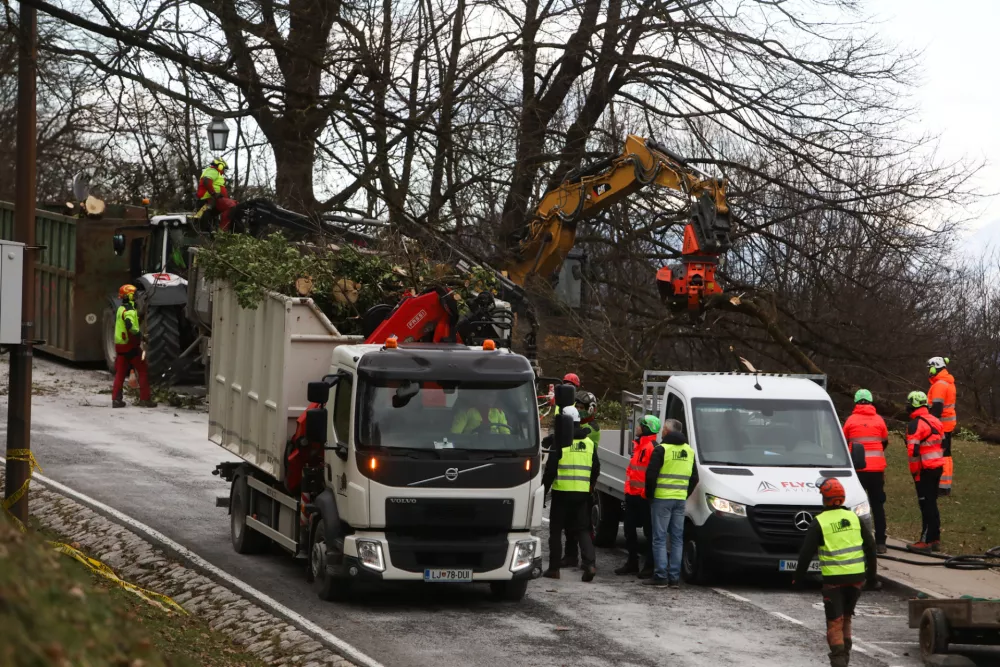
342	408
675	409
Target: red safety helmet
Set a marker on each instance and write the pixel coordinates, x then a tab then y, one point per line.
573	379
832	491
126	291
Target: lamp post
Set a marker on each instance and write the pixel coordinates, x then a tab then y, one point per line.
218	135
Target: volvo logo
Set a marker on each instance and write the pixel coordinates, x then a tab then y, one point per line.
802	520
451	474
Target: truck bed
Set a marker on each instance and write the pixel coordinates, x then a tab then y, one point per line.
613	466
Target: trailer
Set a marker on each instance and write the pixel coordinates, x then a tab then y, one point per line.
965	620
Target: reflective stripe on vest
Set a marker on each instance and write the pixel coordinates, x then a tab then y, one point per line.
874	453
931	454
635	473
842	551
678	463
573	473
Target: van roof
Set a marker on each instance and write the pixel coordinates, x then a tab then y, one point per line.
742	386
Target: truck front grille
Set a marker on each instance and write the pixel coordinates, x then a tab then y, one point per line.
777	523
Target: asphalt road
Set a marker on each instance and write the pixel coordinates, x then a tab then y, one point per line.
155	465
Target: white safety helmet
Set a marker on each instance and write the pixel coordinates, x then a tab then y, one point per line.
936	364
572	412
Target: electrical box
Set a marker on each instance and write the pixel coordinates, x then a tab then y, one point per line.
11	277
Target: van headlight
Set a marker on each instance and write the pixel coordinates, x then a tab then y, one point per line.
863	510
524	555
726	506
370	554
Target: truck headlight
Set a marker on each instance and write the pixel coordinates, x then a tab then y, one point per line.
524	555
726	506
370	554
863	510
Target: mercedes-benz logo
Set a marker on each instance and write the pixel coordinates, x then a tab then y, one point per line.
802	520
451	474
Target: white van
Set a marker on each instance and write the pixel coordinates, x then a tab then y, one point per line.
761	442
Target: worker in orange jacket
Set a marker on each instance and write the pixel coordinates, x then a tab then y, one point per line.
941	399
924	434
636	504
866	428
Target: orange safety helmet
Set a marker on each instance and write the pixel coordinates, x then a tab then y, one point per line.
573	379
126	292
833	492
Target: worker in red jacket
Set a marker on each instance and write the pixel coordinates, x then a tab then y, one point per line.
636	505
941	398
864	427
924	434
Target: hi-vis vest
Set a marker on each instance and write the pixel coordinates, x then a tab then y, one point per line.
868	430
635	474
942	390
121	329
924	446
842	551
471	419
594	432
678	464
575	464
218	181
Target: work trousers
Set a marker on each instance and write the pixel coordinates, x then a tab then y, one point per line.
637	516
570	512
125	361
927	497
874	483
667	519
838	603
944	488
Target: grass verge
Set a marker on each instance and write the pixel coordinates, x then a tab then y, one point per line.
970	522
53	611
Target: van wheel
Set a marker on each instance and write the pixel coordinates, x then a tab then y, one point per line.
606	514
245	539
328	587
694	565
509	591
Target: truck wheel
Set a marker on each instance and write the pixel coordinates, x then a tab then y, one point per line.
605	517
245	539
933	632
694	565
509	591
329	588
108	337
163	331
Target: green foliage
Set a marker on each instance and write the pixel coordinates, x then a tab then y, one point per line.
609	413
967	435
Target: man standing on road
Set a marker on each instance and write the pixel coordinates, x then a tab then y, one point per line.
128	350
924	434
586	404
866	428
847	559
670	477
636	505
942	398
571	473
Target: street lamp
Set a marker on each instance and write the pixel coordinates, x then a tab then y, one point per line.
218	135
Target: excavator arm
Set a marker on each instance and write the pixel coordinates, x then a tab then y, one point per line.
551	232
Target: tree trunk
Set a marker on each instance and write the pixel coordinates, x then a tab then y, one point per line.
294	183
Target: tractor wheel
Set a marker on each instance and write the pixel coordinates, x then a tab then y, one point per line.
163	334
108	337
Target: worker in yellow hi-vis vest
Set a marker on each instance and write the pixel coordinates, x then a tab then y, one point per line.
670	478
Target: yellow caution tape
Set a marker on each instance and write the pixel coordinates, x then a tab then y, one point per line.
164	602
29	458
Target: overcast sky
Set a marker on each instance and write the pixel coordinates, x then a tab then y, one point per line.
958	97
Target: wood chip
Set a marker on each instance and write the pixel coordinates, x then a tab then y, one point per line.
304	286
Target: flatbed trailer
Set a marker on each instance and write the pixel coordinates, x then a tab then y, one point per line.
964	620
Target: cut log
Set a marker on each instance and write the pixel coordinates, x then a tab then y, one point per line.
94	207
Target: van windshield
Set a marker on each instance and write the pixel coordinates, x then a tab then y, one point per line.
405	414
756	432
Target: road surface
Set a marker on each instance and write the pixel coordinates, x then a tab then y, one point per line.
156	464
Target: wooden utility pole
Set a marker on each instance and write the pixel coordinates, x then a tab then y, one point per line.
18	466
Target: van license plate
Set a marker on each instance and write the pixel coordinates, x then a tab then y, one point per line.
792	565
449	576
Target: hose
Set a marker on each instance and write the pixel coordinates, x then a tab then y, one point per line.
983	561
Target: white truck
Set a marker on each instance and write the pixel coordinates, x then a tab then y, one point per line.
761	442
406	477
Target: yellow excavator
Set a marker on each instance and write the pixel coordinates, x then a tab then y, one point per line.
551	233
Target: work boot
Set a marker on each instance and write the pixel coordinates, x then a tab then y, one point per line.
920	547
674	583
881	549
570	561
656	581
838	656
589	572
848	643
631	566
646	572
551	574
118	403
146	404
936	546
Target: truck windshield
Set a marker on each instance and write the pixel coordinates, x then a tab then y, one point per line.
768	433
456	415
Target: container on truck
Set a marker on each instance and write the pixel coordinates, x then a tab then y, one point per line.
762	444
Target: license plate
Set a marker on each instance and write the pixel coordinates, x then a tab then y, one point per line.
792	565
442	576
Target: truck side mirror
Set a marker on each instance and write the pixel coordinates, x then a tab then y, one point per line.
318	392
118	243
316	421
563	432
565	395
858	456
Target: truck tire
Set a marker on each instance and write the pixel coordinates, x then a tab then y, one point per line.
163	333
245	539
329	588
695	567
509	591
108	336
605	517
934	634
